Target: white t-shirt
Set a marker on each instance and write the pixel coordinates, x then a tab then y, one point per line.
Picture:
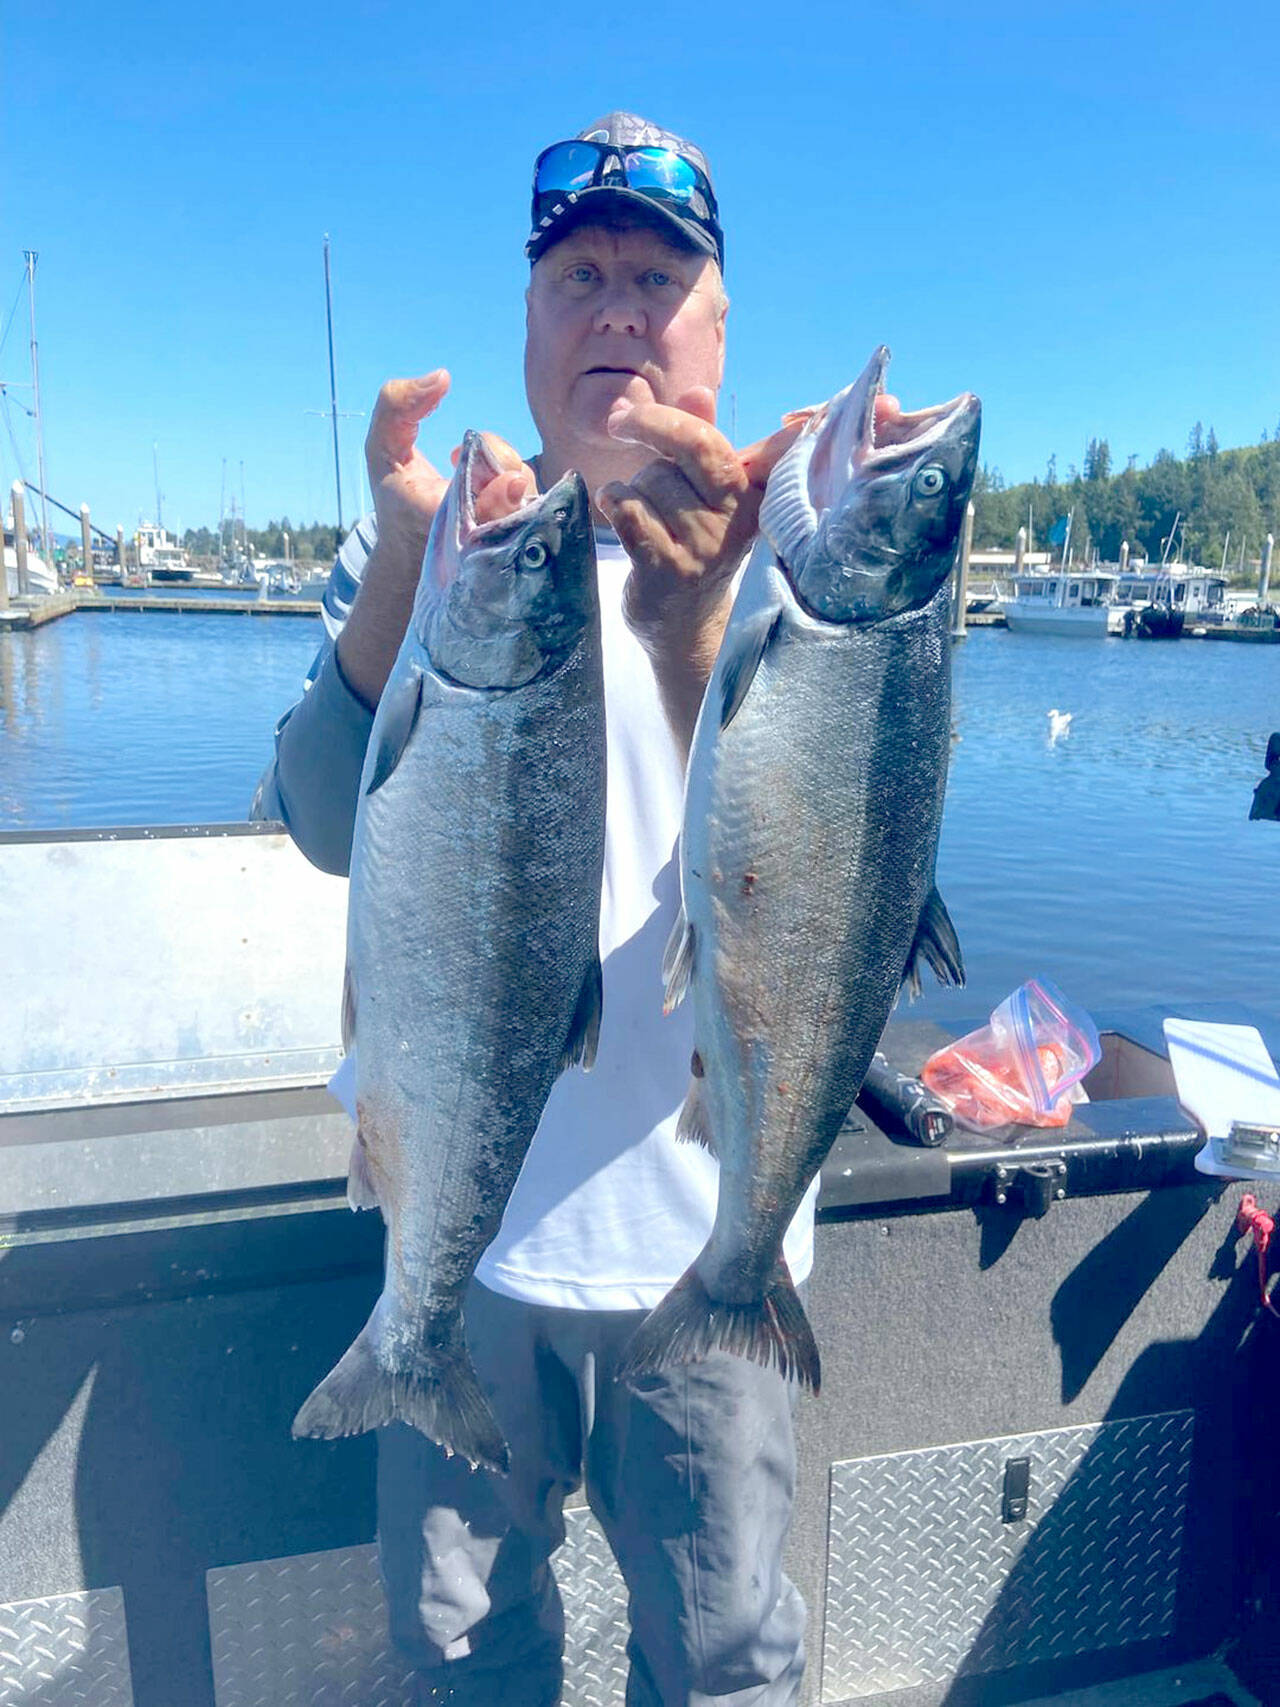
609	1210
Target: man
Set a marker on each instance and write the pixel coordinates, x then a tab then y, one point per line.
690	1473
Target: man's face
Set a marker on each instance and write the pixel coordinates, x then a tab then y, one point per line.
617	313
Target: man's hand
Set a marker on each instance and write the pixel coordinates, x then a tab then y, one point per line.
407	492
685	522
407	489
687	517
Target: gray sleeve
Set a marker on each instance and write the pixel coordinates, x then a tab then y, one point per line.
312	784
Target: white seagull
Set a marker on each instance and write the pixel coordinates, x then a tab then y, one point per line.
1059	724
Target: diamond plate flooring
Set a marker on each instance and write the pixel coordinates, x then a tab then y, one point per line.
925	1581
308	1629
1199	1683
311	1631
65	1649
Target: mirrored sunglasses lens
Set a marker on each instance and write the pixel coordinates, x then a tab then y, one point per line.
567	166
661	171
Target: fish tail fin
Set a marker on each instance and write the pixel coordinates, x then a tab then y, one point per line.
439	1396
689	1323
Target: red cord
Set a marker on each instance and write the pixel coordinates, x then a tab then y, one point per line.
1251	1219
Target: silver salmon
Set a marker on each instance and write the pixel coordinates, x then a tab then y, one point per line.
473	969
812	811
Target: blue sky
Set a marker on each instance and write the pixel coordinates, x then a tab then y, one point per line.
1071	210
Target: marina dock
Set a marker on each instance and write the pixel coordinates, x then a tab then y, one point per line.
35	612
31	613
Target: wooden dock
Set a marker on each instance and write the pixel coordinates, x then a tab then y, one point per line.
35	612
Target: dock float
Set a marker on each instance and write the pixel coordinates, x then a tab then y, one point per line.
35	612
23	614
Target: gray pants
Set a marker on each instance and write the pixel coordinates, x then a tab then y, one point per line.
691	1477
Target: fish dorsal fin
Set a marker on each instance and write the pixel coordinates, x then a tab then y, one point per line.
787	518
936	942
677	963
397	716
746	648
584	1030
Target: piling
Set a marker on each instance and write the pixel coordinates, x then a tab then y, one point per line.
1019	551
1264	574
86	540
20	539
120	553
961	592
1124	555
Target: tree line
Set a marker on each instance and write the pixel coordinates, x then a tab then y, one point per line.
307	544
1208	494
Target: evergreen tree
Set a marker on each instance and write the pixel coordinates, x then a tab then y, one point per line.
1097	460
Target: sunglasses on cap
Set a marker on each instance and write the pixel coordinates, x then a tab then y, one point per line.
565	170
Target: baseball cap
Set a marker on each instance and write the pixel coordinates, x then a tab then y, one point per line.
623	158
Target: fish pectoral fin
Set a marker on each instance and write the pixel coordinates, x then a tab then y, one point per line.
936	942
694	1125
677	963
397	717
361	1191
741	662
584	1029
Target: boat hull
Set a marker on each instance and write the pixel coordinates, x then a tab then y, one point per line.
1088	623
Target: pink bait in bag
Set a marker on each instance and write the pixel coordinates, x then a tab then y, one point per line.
1023	1066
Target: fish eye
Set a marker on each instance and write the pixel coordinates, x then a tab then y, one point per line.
533	555
930	480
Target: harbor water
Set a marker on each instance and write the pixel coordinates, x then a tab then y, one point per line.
1117	859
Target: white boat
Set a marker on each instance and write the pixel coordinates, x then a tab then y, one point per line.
41	577
160	556
1160	600
1071	601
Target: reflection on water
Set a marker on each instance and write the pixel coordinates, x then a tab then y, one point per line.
1118	860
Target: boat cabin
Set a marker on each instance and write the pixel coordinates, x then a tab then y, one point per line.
1193	592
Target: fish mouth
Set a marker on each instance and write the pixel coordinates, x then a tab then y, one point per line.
477	466
901	435
853	441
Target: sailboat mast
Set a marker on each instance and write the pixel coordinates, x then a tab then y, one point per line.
333	382
31	259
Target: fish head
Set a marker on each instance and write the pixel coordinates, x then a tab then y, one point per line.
499	602
865	513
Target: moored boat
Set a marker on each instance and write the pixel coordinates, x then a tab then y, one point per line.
41	576
1070	602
